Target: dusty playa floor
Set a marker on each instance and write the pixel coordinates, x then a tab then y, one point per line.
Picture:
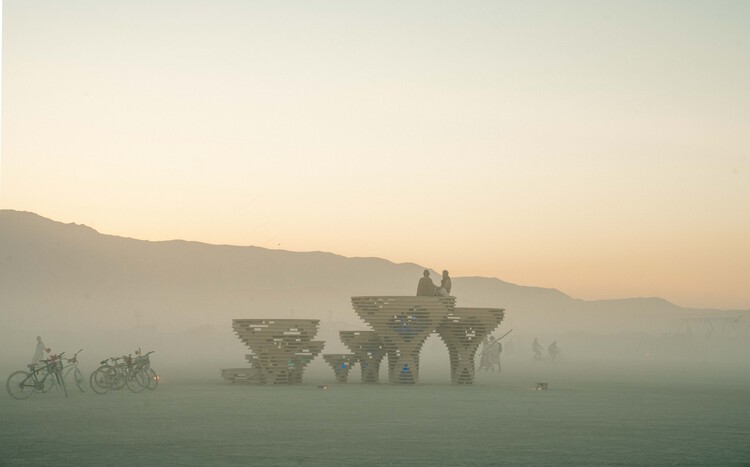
597	417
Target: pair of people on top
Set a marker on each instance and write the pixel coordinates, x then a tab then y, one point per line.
427	288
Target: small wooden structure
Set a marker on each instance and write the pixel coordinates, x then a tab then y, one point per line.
281	348
341	364
462	331
369	350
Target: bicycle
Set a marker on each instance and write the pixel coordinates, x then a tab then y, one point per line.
135	374
71	368
141	375
109	377
152	379
22	384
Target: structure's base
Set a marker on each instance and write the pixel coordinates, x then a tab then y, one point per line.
243	375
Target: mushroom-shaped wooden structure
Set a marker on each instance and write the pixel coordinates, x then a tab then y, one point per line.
462	331
341	364
301	358
369	350
281	347
403	323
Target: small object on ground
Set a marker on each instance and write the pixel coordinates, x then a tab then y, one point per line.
540	386
323	386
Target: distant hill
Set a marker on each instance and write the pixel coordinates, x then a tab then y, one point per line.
69	276
59	272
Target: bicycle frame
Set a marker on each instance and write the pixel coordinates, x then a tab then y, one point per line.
22	384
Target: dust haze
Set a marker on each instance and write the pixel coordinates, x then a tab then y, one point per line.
110	296
638	380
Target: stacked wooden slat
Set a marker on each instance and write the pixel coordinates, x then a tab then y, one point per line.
403	323
243	375
281	348
462	331
341	364
302	358
369	350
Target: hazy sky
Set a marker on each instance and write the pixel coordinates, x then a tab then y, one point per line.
601	148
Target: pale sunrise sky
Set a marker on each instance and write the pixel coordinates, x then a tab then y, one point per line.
598	147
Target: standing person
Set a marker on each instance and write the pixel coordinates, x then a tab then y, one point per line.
484	358
553	350
426	287
497	349
40	350
536	347
445	284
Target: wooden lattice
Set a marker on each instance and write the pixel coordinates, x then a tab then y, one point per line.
281	348
341	364
369	349
403	323
462	331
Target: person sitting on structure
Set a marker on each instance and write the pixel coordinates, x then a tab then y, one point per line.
445	285
553	350
426	287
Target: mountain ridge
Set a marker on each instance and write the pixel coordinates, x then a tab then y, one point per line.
46	265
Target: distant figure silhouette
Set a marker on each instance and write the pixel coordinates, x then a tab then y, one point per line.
39	352
445	284
553	350
484	357
490	356
426	287
536	347
497	349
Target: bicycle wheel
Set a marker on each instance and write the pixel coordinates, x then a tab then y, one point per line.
47	379
152	379
119	376
136	380
101	379
77	377
19	385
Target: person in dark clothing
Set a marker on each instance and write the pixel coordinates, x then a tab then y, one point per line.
426	287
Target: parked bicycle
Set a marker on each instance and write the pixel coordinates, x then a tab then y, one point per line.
117	372
22	384
70	371
109	376
142	376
